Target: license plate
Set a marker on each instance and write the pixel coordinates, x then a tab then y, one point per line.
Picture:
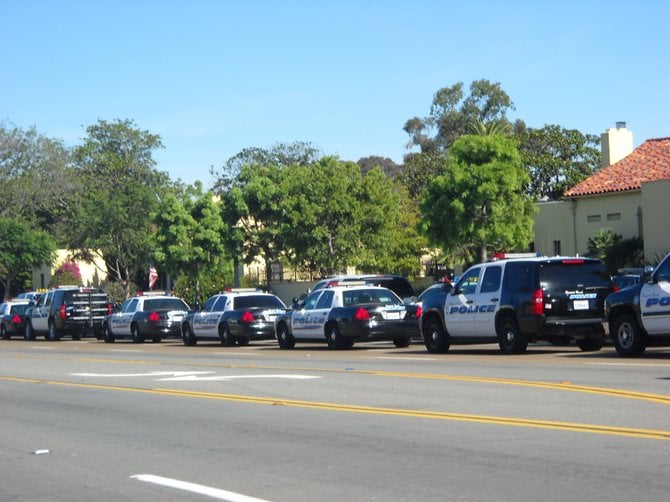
392	315
580	304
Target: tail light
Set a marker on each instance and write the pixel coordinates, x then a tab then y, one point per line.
419	311
616	288
538	302
362	315
63	311
16	319
109	308
154	317
248	317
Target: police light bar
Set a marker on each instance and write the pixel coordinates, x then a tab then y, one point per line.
154	293
242	290
347	284
511	256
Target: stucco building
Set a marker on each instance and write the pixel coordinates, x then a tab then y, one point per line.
630	195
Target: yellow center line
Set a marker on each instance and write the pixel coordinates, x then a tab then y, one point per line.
424	414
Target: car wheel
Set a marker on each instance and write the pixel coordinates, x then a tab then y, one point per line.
187	335
510	338
135	334
591	344
29	332
627	335
157	339
76	336
402	341
226	338
3	333
435	337
335	339
284	338
243	340
52	333
107	334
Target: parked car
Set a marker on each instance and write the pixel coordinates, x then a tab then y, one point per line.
639	315
348	312
396	283
152	314
519	301
236	315
67	310
627	277
13	318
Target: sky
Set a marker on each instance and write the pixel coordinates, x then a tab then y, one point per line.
214	77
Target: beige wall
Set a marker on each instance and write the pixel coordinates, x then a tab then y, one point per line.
656	217
92	274
644	213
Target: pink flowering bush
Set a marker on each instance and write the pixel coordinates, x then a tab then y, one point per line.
67	273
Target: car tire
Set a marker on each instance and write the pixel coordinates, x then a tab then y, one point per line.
335	339
284	338
3	333
510	338
226	338
243	340
52	333
402	341
107	334
76	336
435	337
627	335
187	336
135	334
591	344
29	332
157	339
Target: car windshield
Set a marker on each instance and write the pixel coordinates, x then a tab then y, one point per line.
362	296
18	308
251	301
165	304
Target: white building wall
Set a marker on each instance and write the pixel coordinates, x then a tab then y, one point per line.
656	217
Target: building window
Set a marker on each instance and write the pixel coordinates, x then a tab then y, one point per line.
613	216
593	218
557	248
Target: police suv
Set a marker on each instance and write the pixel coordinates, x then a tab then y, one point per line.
236	315
639	315
518	301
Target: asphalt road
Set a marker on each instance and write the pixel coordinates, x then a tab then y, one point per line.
93	421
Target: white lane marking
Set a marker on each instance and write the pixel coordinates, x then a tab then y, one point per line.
392	358
209	491
149	374
126	350
196	378
37	347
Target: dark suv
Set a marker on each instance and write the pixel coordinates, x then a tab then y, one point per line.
68	310
396	283
519	301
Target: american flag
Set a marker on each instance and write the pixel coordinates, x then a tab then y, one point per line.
153	276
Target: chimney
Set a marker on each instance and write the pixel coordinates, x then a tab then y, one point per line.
616	144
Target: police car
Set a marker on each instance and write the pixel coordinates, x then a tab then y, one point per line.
639	315
154	315
518	300
236	315
343	313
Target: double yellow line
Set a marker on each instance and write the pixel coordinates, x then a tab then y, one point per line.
373	410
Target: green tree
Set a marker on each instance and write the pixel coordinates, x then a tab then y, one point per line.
388	166
557	159
37	181
479	199
22	249
189	243
120	188
452	113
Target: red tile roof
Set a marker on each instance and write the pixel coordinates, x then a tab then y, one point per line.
648	162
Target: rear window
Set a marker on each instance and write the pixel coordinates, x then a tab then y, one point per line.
18	309
361	296
165	304
267	301
571	274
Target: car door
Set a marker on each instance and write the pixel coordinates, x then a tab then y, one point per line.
459	309
205	321
655	300
121	320
487	300
40	317
308	320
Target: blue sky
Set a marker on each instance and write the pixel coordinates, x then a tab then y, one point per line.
214	77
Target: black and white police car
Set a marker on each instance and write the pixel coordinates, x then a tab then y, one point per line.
236	315
639	315
343	313
152	314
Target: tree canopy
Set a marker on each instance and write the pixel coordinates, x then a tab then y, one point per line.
478	200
